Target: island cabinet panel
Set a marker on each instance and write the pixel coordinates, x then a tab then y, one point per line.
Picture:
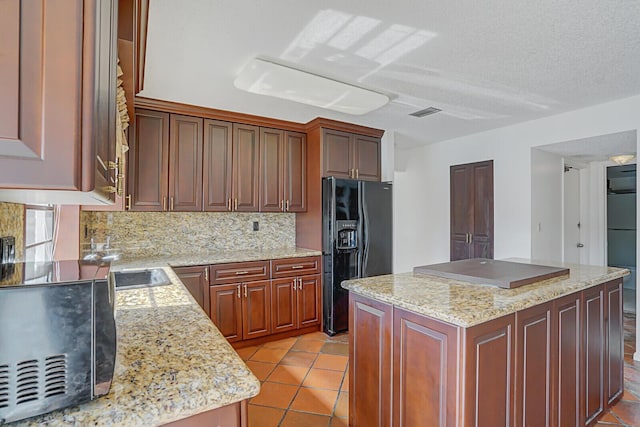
246	156
226	310
196	280
424	348
370	352
148	177
489	373
217	165
614	356
230	415
185	163
594	353
534	365
567	379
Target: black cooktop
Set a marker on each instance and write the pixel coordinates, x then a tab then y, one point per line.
40	273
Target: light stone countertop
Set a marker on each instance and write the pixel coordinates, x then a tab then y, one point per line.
171	363
212	257
464	304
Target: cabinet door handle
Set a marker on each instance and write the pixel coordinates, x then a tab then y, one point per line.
171	203
282	205
206	274
238	287
295	283
164	203
245	291
286	206
235	205
357	174
240	273
128	204
470	238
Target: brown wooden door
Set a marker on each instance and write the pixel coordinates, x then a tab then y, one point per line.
295	172
246	156
226	310
283	305
337	153
614	355
256	309
489	369
148	177
271	170
461	211
427	349
471	199
594	353
370	366
185	163
217	166
308	295
534	365
196	280
567	356
366	156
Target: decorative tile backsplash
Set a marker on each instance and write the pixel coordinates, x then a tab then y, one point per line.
12	224
173	233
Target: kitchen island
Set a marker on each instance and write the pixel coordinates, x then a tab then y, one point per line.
441	352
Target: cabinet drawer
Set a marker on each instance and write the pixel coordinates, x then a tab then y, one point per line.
290	267
239	272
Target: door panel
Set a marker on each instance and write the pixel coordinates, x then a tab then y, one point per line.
295	171
185	163
308	295
594	348
226	310
482	225
246	156
614	361
271	170
256	309
283	303
217	165
148	177
461	211
367	158
337	153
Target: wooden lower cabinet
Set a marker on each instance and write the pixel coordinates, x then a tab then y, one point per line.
235	414
557	364
370	345
256	309
196	280
424	402
226	310
489	362
295	302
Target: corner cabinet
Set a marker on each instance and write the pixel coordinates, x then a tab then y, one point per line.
57	95
556	364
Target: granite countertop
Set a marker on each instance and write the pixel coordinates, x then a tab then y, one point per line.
212	257
465	304
171	363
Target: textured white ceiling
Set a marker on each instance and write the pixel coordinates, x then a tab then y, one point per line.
596	148
486	64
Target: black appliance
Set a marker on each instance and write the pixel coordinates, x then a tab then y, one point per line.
356	241
57	336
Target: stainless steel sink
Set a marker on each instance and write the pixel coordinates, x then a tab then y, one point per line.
140	278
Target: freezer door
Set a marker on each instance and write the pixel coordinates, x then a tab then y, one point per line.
377	228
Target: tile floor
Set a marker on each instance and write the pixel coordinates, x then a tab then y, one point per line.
305	382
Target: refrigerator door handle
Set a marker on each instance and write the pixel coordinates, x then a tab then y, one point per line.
365	232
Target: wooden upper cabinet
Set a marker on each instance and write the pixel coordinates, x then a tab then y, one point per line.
271	170
295	171
348	155
218	163
57	94
246	154
149	161
366	156
337	153
283	180
185	163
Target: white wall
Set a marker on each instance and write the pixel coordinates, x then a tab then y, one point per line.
546	205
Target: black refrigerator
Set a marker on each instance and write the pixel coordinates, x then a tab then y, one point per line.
356	241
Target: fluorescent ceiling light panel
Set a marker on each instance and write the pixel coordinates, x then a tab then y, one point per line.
271	79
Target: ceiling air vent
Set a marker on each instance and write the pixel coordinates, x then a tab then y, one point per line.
426	112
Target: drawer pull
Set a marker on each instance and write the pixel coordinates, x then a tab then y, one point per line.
240	273
297	267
